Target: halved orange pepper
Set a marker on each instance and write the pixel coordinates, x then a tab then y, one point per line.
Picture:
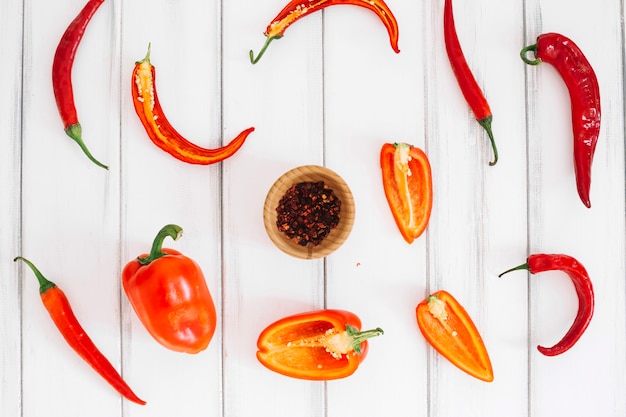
408	185
449	329
316	345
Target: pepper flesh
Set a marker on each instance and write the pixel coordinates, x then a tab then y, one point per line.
56	303
159	129
469	87
584	92
62	75
168	292
297	9
407	182
316	345
537	263
449	329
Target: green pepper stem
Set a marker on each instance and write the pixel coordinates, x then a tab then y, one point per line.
75	132
170	230
44	284
269	39
517	268
360	337
486	124
147	57
525	51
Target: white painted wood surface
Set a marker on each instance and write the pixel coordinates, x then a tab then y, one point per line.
330	92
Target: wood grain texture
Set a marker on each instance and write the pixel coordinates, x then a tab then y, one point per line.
330	93
11	50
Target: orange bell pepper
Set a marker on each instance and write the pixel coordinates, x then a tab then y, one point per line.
449	329
408	185
168	292
316	345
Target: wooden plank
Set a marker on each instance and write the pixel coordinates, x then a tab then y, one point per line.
158	189
11	17
472	230
375	96
281	97
70	228
561	224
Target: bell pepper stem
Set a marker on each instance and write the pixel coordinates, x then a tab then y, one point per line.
359	337
269	39
44	284
170	230
517	268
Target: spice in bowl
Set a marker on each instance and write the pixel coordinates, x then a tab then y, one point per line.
307	212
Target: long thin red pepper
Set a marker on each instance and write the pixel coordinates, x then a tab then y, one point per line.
62	75
469	87
61	313
159	129
297	9
584	91
584	290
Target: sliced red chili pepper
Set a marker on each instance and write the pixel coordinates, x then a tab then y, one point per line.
469	87
584	92
316	345
297	9
159	129
584	290
449	329
407	182
62	75
61	313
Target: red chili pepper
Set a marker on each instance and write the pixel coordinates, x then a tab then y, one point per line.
317	345
449	329
469	87
170	296
584	290
584	92
62	75
159	129
58	306
407	182
297	9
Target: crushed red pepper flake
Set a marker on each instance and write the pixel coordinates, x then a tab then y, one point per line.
308	212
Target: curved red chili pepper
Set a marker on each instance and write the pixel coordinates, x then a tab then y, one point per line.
469	87
584	290
297	9
584	92
62	75
58	306
159	129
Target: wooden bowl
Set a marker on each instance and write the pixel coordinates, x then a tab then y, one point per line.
335	238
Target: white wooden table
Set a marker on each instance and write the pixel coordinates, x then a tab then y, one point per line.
331	92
